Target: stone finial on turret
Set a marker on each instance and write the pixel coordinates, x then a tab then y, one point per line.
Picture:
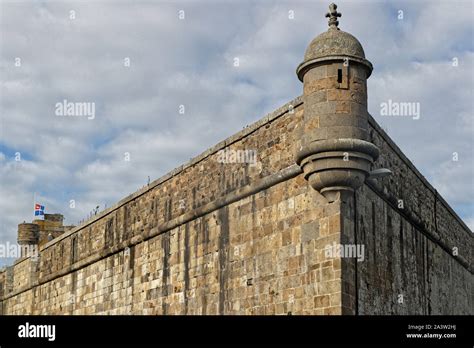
333	15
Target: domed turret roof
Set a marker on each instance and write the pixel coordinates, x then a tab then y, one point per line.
333	44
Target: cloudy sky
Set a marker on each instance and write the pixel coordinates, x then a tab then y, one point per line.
78	51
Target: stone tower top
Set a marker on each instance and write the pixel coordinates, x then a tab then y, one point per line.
332	15
335	155
333	45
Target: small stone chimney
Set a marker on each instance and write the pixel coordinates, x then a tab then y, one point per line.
336	154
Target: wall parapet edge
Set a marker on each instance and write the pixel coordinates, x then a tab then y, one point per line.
221	145
246	191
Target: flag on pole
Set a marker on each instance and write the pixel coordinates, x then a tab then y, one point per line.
39	209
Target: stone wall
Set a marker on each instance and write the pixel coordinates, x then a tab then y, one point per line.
25	272
222	263
214	238
418	254
209	238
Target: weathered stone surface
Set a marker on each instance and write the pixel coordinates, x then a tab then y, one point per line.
255	237
262	254
334	43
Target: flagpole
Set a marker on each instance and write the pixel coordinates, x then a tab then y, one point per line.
34	204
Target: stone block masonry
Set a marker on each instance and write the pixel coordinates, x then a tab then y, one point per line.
254	251
230	249
226	236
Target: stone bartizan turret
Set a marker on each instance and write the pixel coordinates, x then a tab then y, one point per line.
335	155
